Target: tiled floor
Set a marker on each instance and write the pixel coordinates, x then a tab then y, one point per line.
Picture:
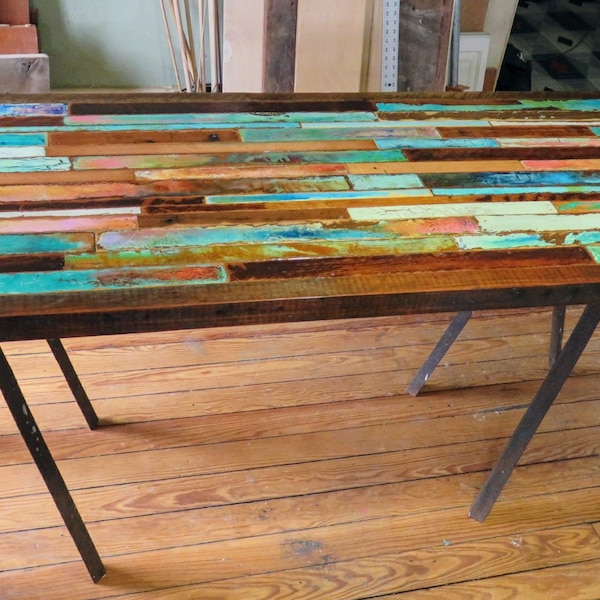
562	40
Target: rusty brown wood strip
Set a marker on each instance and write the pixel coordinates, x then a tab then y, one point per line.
30	121
157	216
517	131
225	104
68	177
76	138
281	18
539	153
182	147
465	166
23	263
372	265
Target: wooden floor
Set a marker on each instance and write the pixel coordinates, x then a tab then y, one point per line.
287	462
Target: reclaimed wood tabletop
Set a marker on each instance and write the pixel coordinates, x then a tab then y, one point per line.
129	213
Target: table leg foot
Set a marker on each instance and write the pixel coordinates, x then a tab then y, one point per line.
537	410
77	389
45	463
447	339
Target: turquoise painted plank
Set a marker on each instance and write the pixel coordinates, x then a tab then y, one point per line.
235	118
491	191
504	223
501	242
433	107
574	105
583	237
44	243
458	209
30	165
579	206
22	139
595	252
336	133
308	196
90	280
242	234
515	178
33	109
166	161
385	182
433	143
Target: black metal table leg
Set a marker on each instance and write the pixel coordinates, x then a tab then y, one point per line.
538	408
79	393
45	462
449	337
556	333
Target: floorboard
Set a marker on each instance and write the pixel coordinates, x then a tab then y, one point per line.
287	461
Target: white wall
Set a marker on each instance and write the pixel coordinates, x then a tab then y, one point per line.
105	43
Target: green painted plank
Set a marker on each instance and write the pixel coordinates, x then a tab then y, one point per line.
312	196
165	161
437	211
399	123
90	280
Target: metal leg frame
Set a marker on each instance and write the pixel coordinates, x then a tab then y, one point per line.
45	462
64	362
449	337
556	333
550	388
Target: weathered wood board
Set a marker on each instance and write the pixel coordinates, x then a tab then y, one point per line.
24	74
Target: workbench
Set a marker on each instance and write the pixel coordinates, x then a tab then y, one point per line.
124	214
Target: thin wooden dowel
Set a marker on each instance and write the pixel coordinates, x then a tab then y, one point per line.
189	41
170	41
213	45
176	9
201	75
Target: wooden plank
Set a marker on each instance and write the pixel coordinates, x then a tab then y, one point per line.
243	43
425	30
333	38
24	74
142	137
280	46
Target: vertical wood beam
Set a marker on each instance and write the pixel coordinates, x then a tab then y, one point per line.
281	20
425	33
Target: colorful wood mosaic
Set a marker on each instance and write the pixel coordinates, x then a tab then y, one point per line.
134	213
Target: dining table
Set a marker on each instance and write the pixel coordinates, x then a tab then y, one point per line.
126	213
